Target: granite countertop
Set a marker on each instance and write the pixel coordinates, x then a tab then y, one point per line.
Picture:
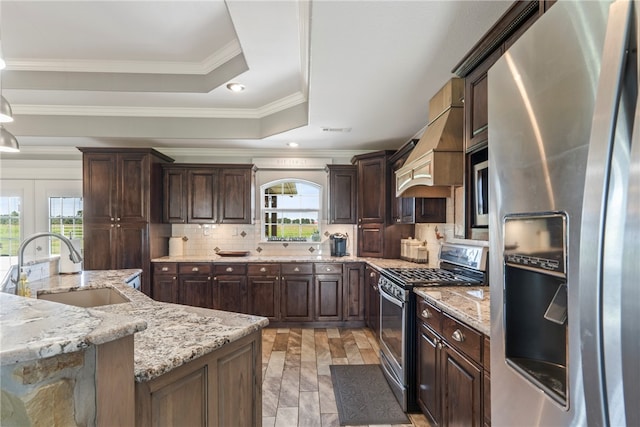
469	304
379	263
174	335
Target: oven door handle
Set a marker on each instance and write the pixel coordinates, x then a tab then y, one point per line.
391	298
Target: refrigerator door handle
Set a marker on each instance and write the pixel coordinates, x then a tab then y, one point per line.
592	238
630	291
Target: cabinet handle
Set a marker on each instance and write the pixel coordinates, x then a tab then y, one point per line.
457	335
328	268
118	225
359	226
426	314
296	269
165	268
118	219
359	219
375	288
229	269
209	278
111	219
262	270
111	225
439	345
372	274
195	269
174	277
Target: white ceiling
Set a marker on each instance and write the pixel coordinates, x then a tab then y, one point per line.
153	73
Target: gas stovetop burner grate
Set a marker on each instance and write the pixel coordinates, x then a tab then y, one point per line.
415	276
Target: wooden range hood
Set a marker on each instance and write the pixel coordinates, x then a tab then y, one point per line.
437	162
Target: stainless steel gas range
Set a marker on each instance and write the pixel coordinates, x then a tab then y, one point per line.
460	265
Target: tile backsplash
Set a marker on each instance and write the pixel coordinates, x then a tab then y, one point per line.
205	239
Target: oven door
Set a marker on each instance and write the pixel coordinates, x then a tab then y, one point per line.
393	319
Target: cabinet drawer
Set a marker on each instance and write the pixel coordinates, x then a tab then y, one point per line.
165	268
194	268
462	338
295	268
328	268
263	269
230	268
430	315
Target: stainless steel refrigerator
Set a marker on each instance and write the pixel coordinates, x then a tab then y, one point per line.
564	177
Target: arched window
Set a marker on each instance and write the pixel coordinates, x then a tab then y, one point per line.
291	211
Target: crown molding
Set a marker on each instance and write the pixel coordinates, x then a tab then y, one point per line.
180	112
212	62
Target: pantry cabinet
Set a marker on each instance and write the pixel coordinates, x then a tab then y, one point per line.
207	193
122	216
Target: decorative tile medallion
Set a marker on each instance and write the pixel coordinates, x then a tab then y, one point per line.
311	249
243	234
258	249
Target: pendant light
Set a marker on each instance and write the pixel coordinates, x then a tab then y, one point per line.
6	115
8	142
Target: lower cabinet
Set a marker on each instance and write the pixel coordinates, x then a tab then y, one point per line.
282	292
372	300
450	372
263	282
195	285
222	388
230	287
296	301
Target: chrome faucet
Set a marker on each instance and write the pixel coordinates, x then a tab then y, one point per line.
74	255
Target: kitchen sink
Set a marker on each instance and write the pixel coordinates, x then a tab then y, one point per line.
87	297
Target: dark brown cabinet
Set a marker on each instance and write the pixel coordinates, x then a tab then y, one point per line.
450	373
353	295
263	283
165	282
296	301
206	194
378	235
372	300
195	286
235	195
328	289
343	186
122	193
230	287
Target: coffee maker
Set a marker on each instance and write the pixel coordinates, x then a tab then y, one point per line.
338	243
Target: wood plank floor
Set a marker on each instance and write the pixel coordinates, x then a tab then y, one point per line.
296	381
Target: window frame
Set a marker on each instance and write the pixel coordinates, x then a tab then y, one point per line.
265	210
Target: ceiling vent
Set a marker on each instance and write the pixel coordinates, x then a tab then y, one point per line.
343	130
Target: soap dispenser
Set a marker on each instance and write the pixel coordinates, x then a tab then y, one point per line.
24	290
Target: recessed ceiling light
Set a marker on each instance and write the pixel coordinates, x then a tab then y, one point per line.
292	144
235	87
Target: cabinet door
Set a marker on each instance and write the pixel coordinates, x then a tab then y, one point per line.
99	182
371	240
342	194
196	290
476	102
461	391
296	302
264	297
165	288
372	300
100	238
431	210
133	245
428	373
328	297
182	401
230	293
133	187
203	195
175	195
235	196
372	182
353	299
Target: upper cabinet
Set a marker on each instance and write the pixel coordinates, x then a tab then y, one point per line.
343	187
199	193
474	69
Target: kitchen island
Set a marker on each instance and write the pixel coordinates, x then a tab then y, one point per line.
169	339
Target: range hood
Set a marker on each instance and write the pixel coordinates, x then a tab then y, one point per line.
437	162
